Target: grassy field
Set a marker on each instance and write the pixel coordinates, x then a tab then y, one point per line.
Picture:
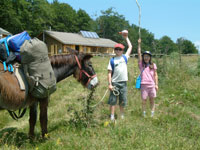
72	126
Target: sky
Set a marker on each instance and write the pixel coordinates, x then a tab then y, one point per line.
174	18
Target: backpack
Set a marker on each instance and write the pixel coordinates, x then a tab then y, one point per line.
112	62
5	56
16	41
37	68
3	51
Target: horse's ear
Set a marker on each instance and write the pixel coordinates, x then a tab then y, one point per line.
72	51
87	57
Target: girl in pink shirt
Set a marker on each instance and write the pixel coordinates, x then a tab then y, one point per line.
149	79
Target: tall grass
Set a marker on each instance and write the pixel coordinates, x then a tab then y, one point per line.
175	125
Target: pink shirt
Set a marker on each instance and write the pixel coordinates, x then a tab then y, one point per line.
148	75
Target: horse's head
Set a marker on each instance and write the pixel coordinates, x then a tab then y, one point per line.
85	72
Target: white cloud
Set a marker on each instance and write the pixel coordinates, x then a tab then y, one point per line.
197	44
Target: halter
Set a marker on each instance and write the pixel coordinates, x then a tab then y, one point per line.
83	71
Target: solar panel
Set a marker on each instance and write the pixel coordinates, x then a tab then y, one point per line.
88	34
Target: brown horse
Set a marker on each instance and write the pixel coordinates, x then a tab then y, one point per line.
12	98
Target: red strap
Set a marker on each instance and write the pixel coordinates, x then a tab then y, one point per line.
83	71
79	65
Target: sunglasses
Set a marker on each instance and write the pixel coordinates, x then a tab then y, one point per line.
118	49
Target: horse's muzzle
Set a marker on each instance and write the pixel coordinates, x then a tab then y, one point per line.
93	83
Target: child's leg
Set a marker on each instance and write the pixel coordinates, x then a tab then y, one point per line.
144	101
122	98
152	95
144	96
112	110
152	104
121	111
112	102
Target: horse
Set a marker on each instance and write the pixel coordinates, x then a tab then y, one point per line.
64	65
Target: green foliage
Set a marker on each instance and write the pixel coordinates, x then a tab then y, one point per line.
84	118
35	16
175	125
186	46
110	23
65	18
198	67
83	20
166	45
9	16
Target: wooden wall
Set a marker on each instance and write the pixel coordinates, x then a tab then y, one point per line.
55	47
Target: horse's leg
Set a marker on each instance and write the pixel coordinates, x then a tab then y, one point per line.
32	119
43	115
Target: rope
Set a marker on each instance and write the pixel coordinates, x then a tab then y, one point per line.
139	18
115	92
100	100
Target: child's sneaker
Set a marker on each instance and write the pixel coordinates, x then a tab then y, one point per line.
144	113
112	118
152	113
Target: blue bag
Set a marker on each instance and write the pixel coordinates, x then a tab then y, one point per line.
16	41
5	54
138	81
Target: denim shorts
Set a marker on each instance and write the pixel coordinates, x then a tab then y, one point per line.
122	88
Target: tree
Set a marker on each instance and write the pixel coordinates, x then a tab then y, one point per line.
186	46
64	17
83	20
9	18
110	23
166	45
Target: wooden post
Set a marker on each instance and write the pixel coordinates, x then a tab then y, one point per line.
180	50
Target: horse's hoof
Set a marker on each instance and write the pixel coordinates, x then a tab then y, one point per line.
31	136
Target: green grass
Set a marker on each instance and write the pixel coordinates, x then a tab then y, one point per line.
175	125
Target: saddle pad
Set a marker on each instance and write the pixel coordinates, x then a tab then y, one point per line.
21	79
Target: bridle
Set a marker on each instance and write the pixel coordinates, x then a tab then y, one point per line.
83	71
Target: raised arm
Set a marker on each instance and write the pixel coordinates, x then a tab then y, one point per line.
125	35
139	51
129	50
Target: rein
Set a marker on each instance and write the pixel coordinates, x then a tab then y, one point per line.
83	71
15	116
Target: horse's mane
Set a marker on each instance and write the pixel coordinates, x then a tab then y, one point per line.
63	59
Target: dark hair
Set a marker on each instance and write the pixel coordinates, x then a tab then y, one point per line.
150	62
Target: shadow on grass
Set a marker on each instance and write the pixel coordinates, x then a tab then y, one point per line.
11	136
57	125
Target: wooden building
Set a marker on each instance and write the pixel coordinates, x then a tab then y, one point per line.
3	33
87	42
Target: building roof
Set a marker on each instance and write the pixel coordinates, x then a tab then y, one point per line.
78	39
2	31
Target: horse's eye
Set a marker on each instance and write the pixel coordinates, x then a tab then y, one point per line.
90	64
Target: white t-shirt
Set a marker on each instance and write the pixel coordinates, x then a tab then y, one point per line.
120	69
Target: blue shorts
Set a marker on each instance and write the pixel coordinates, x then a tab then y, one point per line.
122	88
